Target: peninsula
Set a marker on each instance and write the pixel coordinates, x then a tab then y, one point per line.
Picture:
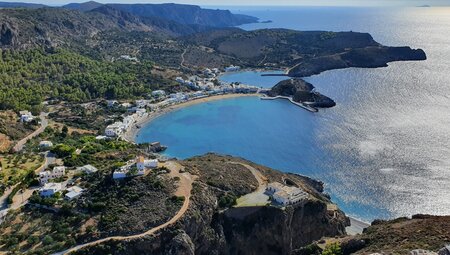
78	81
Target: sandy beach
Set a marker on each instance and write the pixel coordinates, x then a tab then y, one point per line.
133	130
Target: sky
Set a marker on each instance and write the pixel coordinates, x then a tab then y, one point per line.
264	2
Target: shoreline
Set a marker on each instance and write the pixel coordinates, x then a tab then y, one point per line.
131	133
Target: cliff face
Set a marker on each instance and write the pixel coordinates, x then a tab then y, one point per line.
257	229
208	228
282	230
8	35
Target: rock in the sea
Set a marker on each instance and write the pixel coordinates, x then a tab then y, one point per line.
302	92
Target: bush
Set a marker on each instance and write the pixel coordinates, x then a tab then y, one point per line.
48	240
227	200
332	249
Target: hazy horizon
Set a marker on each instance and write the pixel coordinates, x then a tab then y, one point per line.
207	3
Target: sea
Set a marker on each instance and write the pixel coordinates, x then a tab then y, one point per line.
384	150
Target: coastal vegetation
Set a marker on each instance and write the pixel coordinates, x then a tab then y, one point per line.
29	77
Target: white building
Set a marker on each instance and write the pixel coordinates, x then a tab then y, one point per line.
142	163
26	116
45	176
45	144
114	129
73	192
129	58
179	80
232	68
285	195
88	169
138	166
50	189
151	163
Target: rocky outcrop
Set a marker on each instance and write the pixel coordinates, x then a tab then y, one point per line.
282	230
256	229
367	57
402	236
302	92
208	229
8	35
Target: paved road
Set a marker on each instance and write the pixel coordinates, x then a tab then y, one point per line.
184	189
44	124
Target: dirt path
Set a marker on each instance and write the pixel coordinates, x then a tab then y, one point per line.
262	180
184	189
257	197
182	58
44	124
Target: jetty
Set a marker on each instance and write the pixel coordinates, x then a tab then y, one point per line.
275	74
302	105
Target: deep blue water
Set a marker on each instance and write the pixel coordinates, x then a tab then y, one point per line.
383	151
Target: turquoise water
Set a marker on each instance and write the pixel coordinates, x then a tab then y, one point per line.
383	151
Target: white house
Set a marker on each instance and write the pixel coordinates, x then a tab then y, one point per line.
45	144
232	68
139	165
179	80
285	195
73	192
89	169
26	116
142	163
151	163
114	129
59	171
50	189
45	176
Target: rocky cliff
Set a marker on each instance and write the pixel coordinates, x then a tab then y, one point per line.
208	228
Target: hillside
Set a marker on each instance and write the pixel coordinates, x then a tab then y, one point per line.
187	14
211	225
303	53
20	5
401	236
86	6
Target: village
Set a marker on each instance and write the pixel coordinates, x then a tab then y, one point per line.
203	85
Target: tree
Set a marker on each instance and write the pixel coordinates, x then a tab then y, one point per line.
48	240
63	150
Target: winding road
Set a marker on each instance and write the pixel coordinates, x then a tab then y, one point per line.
184	189
44	124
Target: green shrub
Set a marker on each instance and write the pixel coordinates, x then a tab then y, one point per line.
227	200
332	249
48	240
